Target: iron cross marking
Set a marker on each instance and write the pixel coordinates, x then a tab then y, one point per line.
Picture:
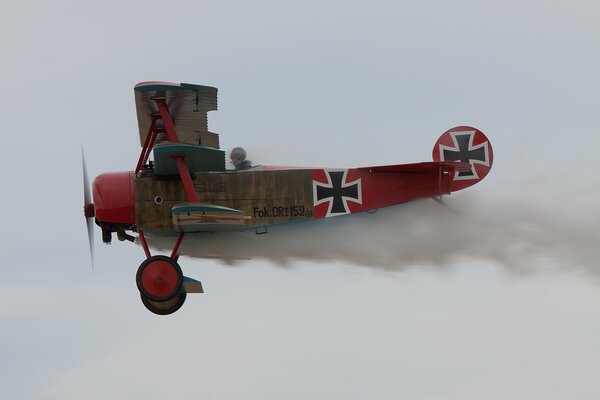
466	152
338	192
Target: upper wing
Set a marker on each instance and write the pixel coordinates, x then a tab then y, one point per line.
188	105
432	167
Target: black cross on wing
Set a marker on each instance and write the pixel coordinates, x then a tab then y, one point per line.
465	151
337	192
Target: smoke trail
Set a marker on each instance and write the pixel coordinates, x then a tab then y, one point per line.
514	235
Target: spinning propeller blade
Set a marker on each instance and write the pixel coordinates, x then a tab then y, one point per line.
88	207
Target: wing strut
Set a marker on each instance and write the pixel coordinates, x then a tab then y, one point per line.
184	172
169	129
148	143
165	115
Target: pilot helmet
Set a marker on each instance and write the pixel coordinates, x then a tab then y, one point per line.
238	154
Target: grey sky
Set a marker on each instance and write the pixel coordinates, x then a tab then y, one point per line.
338	83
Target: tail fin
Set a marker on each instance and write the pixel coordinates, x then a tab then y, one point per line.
466	144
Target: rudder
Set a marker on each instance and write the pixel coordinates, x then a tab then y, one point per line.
467	144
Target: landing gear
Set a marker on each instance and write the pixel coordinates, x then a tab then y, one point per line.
164	307
161	281
159	278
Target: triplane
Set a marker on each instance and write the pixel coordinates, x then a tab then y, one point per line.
186	189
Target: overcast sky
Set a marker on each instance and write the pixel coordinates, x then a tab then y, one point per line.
331	83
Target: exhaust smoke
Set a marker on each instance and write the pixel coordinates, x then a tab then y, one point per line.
517	236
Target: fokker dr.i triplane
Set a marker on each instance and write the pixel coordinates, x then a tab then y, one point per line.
181	187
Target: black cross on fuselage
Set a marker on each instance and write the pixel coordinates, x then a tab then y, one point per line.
337	192
464	153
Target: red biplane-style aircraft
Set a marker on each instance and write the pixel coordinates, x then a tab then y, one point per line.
186	188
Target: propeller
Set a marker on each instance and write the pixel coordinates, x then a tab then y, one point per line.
88	207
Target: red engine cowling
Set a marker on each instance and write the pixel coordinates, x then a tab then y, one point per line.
113	198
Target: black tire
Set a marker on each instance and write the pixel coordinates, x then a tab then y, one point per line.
178	286
164	307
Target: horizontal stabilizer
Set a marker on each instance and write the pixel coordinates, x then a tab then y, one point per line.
431	167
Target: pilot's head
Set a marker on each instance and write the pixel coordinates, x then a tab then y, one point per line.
237	154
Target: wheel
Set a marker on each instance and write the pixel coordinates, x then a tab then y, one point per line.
159	278
165	307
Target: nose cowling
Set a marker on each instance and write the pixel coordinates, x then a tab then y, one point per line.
113	197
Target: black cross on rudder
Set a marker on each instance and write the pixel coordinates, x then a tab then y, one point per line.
465	153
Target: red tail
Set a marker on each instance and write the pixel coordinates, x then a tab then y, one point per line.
467	144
